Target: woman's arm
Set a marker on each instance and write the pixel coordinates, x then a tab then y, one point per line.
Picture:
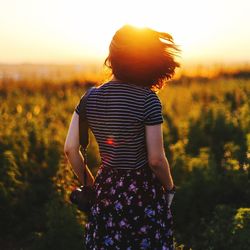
71	150
156	155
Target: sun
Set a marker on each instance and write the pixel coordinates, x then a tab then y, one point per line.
82	30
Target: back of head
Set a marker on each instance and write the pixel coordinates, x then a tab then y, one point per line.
142	56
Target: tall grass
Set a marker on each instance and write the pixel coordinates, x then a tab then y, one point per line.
207	141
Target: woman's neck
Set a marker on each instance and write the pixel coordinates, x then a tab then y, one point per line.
115	79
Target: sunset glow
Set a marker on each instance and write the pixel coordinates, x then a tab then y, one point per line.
77	31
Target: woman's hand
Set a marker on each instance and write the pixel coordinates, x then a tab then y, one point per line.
169	194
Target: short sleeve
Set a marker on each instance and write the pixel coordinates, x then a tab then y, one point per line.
77	107
79	104
152	110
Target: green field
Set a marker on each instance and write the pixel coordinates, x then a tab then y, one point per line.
207	142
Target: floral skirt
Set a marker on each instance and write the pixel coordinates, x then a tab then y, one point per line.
130	212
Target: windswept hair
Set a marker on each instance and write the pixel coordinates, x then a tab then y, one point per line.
142	56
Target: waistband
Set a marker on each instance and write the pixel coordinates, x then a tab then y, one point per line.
123	169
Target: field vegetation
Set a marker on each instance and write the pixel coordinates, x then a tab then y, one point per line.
207	141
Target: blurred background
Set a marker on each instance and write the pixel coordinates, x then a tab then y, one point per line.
52	51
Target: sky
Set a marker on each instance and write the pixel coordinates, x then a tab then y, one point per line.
77	31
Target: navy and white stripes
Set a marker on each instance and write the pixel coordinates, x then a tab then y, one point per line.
117	113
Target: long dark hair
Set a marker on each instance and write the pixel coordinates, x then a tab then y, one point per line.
142	56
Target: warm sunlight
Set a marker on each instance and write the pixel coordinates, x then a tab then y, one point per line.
73	31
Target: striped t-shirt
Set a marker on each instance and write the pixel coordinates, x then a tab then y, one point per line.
117	113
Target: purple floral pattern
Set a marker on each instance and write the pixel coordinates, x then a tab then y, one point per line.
130	212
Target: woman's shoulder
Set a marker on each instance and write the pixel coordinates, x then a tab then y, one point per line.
125	86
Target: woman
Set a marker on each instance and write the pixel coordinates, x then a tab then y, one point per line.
125	116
